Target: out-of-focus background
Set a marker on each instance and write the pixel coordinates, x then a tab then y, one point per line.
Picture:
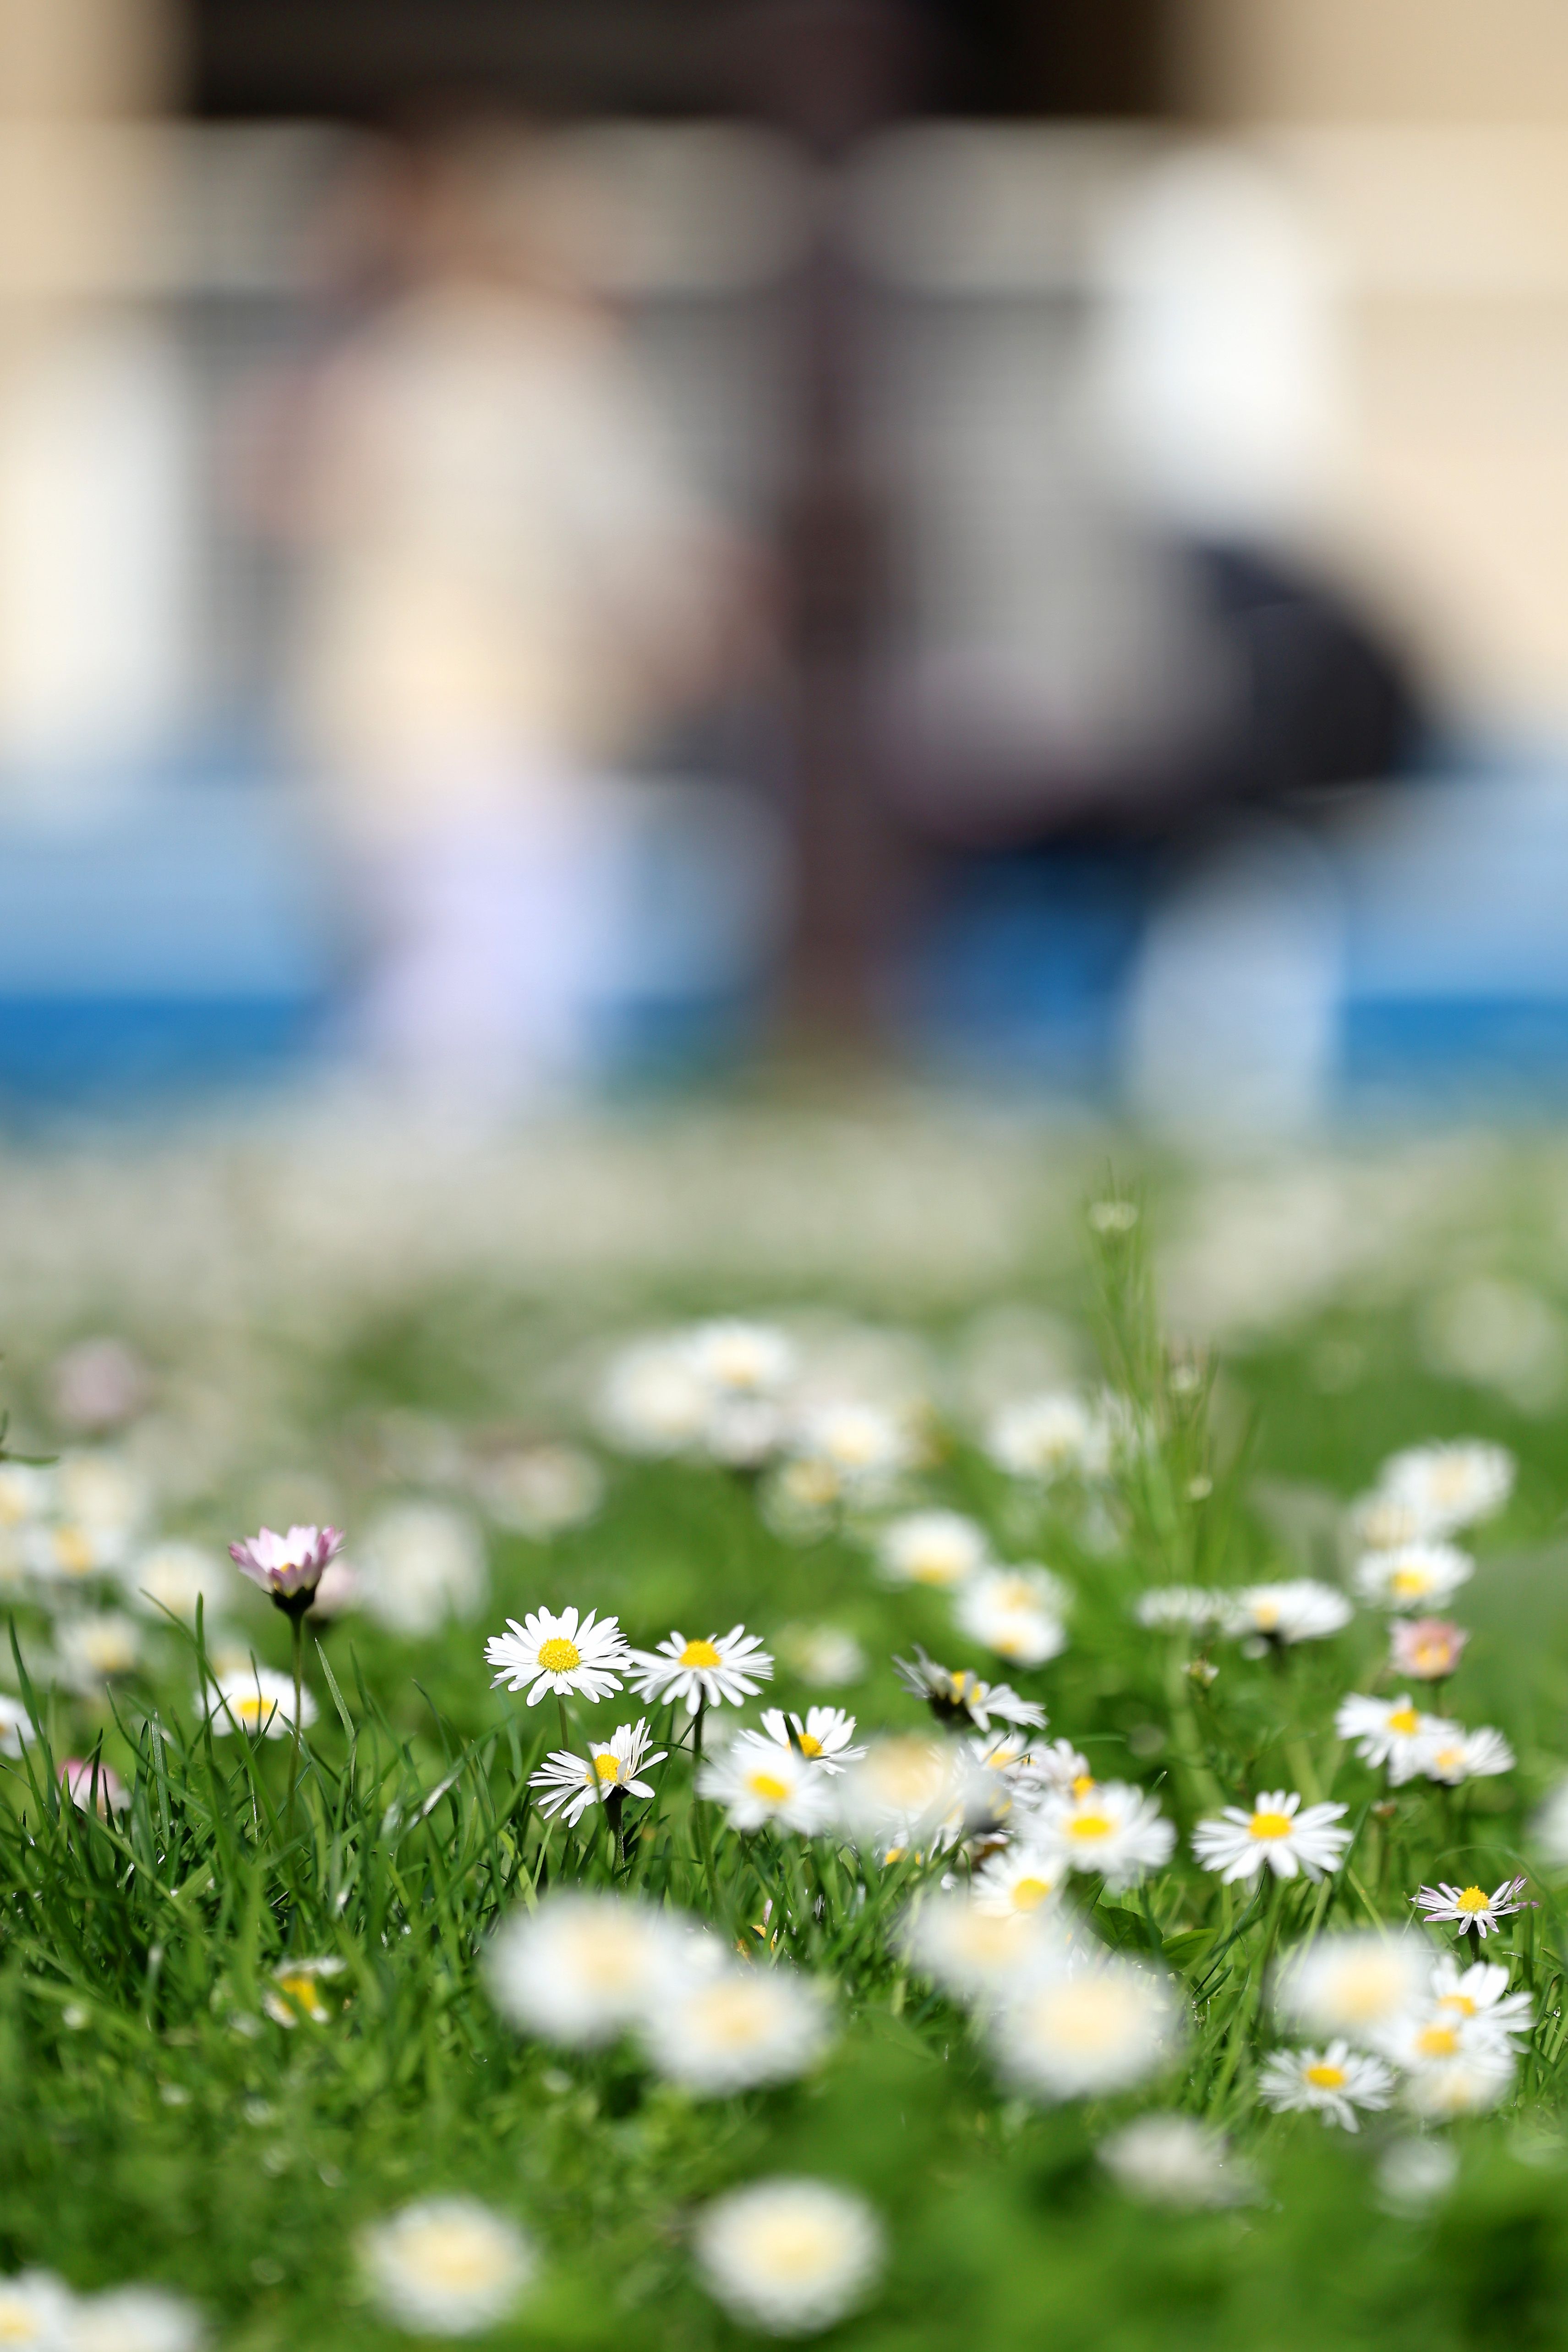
561	547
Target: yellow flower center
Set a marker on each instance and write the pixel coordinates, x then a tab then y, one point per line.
1082	1783
559	1656
17	2325
808	1746
1448	1759
736	2015
1433	1657
252	1710
768	1786
1404	1720
1265	1615
965	1685
1408	1581
1088	1825
1473	1899
1459	2003
1268	1825
73	1553
1437	2042
699	1654
455	2258
1029	1894
1324	2077
303	1993
607	1767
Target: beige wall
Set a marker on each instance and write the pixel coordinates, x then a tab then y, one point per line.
1382	60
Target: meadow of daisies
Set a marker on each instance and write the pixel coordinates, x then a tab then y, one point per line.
763	1817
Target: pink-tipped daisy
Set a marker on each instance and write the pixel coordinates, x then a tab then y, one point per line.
288	1566
1468	1907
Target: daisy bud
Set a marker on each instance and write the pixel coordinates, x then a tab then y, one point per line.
288	1566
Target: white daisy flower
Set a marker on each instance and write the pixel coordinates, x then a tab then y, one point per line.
736	2027
823	1736
1470	2082
1084	2028
420	1564
296	1991
137	2319
539	1491
1468	1907
761	1783
563	1653
959	1696
654	1401
1413	2174
1549	1827
1300	1609
1180	1608
789	2257
1051	1436
826	1657
864	1447
580	1969
1174	2161
1016	1612
1480	1991
36	2311
27	1492
1391	1731
91	1648
936	1547
1378	1523
96	1487
975	1948
1018	1771
1418	1576
907	1790
15	1725
1110	1827
1060	1765
1237	1844
255	1700
1452	1755
1352	1983
1449	1486
175	1576
1440	2034
718	1670
1023	1878
1332	2083
446	2266
570	1783
66	1552
736	1358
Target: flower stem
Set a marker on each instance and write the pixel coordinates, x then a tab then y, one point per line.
297	1628
699	1813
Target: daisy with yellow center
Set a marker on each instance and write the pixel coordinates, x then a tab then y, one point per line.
763	1784
1469	1908
977	1944
1355	1982
1103	1825
296	1991
1021	1879
446	2266
823	1736
939	1548
580	1969
1334	2083
1016	1612
711	1670
1391	1731
36	2312
255	1700
1237	1843
1429	1648
1418	1576
566	1655
1451	1755
1086	2026
960	1696
789	2257
1299	1609
1443	1488
568	1784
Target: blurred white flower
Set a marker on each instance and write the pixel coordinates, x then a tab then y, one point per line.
419	1564
1413	2174
1016	1612
1174	2161
1418	1576
176	1576
540	1490
1391	1731
1468	2082
864	1447
789	2257
67	1553
1300	1609
1333	2082
1051	1436
1449	1486
15	1725
737	2026
27	1492
580	1969
1188	1608
1085	2027
975	1948
1352	1982
1023	1878
296	1990
446	2266
1109	1827
732	1359
907	1788
254	1699
137	2319
654	1401
1452	1755
98	1490
936	1547
1549	1827
36	2311
89	1649
824	1655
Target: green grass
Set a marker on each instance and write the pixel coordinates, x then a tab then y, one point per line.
156	2122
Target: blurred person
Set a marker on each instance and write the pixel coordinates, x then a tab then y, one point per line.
511	593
